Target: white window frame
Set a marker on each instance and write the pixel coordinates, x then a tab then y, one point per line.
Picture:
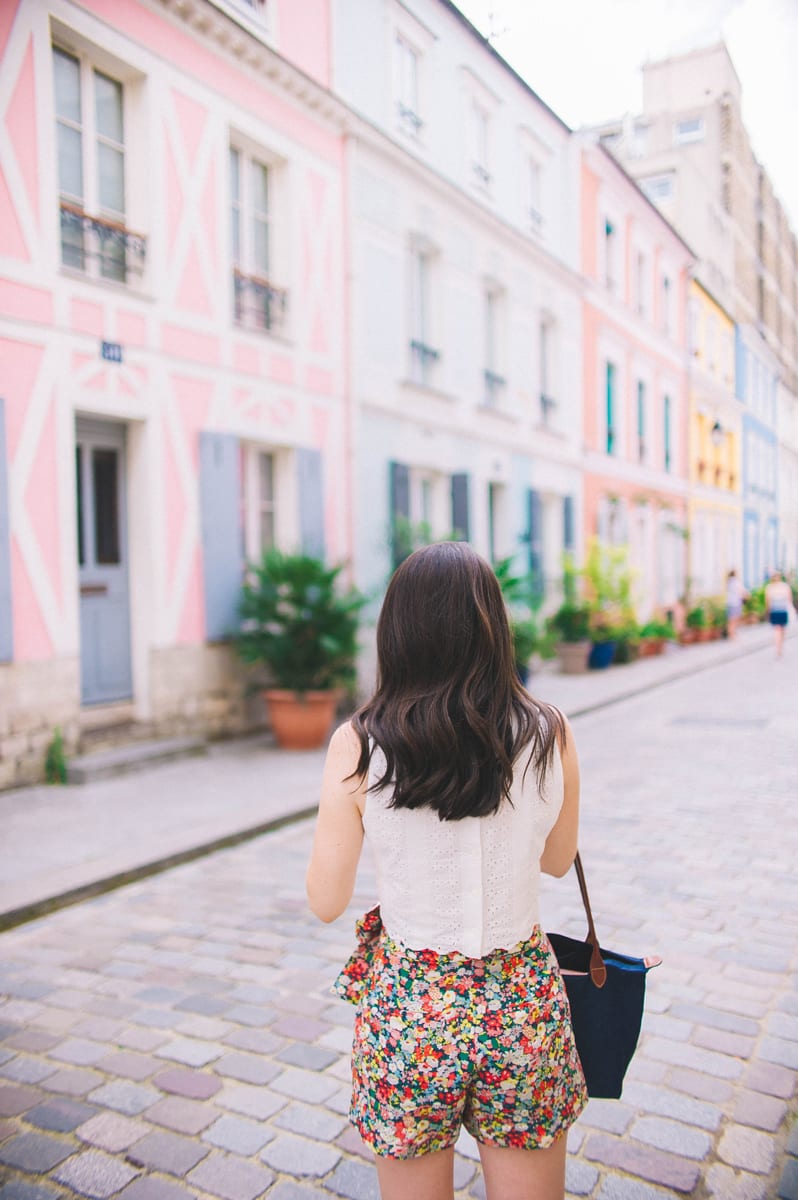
250	287
547	369
424	355
480	144
658	187
667	304
610	243
430	500
689	129
281	503
641	282
494	380
535	202
407	89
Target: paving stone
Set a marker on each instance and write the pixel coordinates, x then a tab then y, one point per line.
7	1129
136	1038
290	1155
294	1191
354	1181
788	1184
769	1078
780	1051
159	995
95	1174
79	1052
311	1121
195	1085
706	1061
580	1178
259	1041
130	1065
16	1100
300	1028
75	1081
251	1101
248	1068
702	1087
312	1058
125	1096
230	1177
111	1131
191	1051
149	1187
613	1187
725	1184
464	1172
783	1026
747	1148
763	1112
168	1152
672	1136
238	1135
339	1101
21	1068
249	1014
59	1116
792	1140
609	1115
33	1041
184	1116
35	1152
304	1085
702	1014
665	1103
203	1004
20	1189
725	1043
651	1164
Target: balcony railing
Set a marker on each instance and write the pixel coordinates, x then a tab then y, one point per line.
409	119
422	360
547	407
99	245
494	386
257	303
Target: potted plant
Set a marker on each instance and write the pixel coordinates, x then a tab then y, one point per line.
296	622
608	584
571	626
653	636
627	640
603	637
523	602
695	623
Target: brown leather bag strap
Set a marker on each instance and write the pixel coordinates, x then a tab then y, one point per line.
598	971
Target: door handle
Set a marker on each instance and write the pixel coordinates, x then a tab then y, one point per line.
94	589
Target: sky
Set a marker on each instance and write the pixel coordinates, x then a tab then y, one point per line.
584	58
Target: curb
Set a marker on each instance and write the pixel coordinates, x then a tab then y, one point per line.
15	917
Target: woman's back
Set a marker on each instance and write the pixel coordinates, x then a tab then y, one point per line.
470	885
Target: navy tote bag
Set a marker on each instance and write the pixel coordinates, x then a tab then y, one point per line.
606	991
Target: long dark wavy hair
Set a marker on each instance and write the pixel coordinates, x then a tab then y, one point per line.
449	712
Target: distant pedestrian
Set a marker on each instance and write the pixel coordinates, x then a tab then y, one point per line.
467	788
735	594
778	601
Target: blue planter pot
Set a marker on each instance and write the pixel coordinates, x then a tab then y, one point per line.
601	655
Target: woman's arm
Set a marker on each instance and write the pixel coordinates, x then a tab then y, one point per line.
338	839
561	844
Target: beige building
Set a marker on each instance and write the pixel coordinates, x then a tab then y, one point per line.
692	156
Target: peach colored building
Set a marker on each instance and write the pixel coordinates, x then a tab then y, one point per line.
173	398
635	394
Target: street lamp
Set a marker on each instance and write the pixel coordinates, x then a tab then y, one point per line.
717	434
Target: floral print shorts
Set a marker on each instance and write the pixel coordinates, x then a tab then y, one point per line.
443	1040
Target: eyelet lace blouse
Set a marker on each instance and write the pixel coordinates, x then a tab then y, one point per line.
472	885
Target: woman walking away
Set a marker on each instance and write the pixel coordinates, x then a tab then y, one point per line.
735	594
778	601
467	788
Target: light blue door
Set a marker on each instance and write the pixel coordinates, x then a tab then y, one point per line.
102	562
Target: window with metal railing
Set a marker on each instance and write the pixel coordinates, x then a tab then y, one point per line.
258	302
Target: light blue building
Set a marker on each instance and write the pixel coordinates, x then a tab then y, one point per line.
756	381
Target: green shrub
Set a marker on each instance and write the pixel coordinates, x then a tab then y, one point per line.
55	764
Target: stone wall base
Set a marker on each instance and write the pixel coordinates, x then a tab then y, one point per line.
36	698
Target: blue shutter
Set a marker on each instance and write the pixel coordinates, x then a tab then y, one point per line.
220	511
460	522
400	510
6	622
311	502
535	534
568	539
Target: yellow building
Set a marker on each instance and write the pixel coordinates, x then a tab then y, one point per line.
714	447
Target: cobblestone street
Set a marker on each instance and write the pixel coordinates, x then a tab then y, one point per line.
177	1037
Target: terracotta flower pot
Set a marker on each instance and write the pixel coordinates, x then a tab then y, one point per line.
301	720
573	657
651	646
688	636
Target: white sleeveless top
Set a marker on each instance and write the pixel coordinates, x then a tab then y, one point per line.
472	885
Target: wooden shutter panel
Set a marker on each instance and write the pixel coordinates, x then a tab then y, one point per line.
311	502
535	520
568	539
220	511
460	522
6	615
400	509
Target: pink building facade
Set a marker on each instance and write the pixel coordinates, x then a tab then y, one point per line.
635	395
172	334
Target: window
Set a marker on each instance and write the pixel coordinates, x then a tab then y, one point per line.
667	432
612	441
90	140
548	402
641	421
423	356
494	380
535	204
261	469
641	283
658	187
481	135
639	139
691	130
496	497
609	254
666	305
257	302
407	89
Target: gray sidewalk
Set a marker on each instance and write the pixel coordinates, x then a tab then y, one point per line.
62	843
